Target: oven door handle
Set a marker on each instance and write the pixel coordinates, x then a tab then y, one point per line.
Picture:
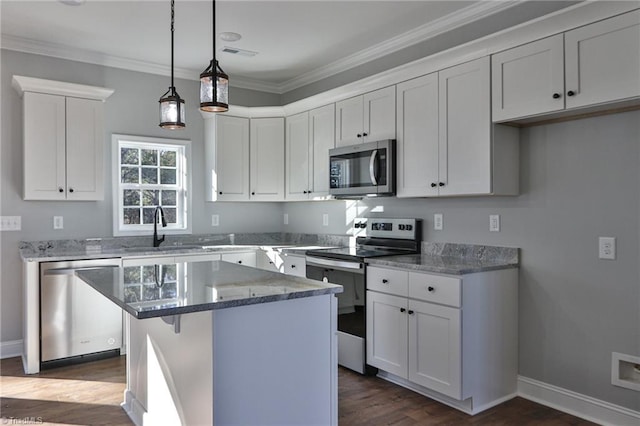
372	167
356	267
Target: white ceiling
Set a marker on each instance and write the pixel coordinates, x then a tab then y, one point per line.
298	42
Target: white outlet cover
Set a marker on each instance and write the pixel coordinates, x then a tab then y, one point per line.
494	223
438	224
325	219
607	248
58	222
215	220
286	218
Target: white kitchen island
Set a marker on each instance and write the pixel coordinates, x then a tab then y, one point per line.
224	344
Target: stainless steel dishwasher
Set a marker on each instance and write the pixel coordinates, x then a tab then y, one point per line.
76	322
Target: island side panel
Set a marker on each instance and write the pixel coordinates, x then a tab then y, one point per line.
170	375
276	363
31	317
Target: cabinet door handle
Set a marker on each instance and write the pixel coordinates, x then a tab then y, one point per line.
304	192
431	289
410	312
253	193
571	93
359	135
364	134
293	266
239	261
556	95
60	189
433	184
220	192
70	189
440	183
403	310
385	281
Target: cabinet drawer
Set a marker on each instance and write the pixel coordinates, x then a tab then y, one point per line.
387	281
247	259
295	265
435	288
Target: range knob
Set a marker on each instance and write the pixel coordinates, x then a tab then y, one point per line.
401	227
408	227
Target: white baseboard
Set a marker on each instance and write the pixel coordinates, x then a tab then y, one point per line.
576	404
10	349
133	408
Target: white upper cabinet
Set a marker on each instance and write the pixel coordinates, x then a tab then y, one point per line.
602	61
227	158
417	144
529	79
63	140
267	159
322	138
447	145
366	118
592	65
309	137
297	157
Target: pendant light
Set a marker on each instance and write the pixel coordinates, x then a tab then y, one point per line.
171	104
214	83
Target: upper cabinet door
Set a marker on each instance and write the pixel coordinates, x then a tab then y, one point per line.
297	154
44	147
230	177
267	159
85	149
417	145
322	133
603	61
349	117
379	115
528	80
465	129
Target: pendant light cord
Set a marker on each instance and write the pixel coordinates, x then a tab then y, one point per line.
213	30
172	30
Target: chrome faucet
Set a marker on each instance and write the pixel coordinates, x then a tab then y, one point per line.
156	240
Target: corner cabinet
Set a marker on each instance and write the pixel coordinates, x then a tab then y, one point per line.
63	146
366	118
591	65
309	137
452	338
447	144
244	158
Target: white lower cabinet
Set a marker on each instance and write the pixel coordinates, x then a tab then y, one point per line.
452	338
295	265
241	258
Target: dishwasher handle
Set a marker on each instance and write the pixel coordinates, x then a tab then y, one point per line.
72	271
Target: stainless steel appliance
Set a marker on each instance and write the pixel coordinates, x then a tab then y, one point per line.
76	322
346	266
366	169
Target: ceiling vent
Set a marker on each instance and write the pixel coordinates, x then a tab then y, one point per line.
239	52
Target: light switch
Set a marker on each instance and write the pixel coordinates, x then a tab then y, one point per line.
11	223
286	218
325	219
494	223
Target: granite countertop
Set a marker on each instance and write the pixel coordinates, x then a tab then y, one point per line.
454	259
150	291
119	247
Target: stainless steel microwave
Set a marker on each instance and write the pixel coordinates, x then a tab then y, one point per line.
366	169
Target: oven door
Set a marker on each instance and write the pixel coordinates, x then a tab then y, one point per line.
351	307
365	169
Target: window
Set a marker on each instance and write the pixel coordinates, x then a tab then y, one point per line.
150	172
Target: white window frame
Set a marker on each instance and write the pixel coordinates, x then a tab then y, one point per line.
184	165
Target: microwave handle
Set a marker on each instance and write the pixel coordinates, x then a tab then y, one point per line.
372	167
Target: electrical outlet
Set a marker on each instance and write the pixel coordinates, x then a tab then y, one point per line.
494	223
607	248
325	219
11	223
215	220
58	222
286	218
438	224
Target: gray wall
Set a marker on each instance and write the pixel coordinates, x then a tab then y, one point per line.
132	109
579	180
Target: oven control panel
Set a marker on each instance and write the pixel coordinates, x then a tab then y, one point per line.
385	228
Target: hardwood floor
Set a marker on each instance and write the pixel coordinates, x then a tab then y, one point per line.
90	394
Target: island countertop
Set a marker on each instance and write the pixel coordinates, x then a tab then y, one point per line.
150	291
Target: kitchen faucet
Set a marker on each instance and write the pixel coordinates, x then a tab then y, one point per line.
156	240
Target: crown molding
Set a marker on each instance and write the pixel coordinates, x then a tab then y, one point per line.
439	26
29	84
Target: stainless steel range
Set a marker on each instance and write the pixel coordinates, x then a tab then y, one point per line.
346	266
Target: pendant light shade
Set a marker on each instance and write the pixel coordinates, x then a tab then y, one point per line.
214	83
171	104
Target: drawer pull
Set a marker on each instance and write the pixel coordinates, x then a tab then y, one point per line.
293	266
403	310
431	289
385	281
410	312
